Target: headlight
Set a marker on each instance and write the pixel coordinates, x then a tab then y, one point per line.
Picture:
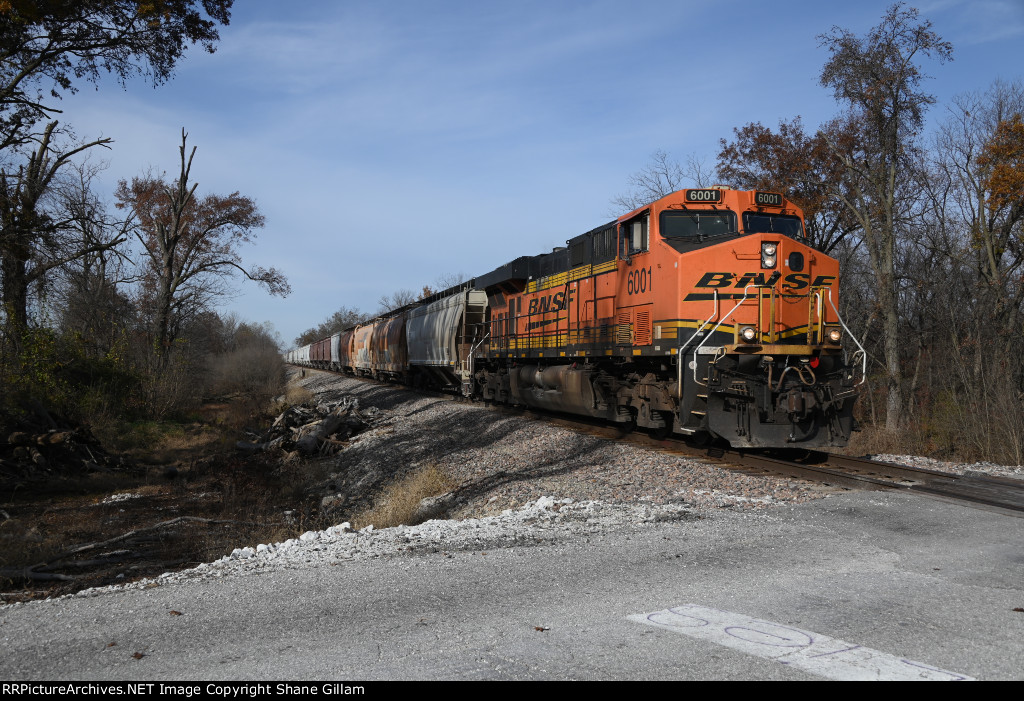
769	249
768	255
768	262
834	335
748	333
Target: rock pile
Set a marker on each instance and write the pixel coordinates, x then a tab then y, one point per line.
34	452
305	430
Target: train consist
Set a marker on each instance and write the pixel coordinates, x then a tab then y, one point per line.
703	313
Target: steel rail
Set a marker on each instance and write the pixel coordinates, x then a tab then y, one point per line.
987	491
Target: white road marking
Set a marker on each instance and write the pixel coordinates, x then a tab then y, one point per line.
811	652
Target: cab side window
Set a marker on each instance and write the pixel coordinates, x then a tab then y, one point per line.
634	236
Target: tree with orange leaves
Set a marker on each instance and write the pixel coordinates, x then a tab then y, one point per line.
1000	231
1003	157
979	169
191	246
798	164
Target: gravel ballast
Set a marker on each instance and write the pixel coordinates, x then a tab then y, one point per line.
502	461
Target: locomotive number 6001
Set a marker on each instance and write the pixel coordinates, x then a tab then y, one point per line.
639	281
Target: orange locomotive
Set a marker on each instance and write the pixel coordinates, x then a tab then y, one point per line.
704	312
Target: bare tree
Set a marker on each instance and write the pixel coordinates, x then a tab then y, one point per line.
340	320
249	366
190	245
979	171
443	282
396	300
94	303
878	78
37	235
661	176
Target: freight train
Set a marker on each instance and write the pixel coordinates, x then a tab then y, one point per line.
705	313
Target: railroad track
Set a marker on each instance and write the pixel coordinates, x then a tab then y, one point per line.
984	491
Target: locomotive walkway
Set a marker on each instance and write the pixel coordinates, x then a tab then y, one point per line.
878	584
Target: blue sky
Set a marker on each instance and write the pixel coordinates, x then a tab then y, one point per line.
388	143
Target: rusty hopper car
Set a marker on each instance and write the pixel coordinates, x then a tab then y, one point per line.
389	348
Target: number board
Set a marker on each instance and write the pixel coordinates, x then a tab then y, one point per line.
703	195
767	199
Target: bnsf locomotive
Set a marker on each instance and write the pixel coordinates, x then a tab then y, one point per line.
703	313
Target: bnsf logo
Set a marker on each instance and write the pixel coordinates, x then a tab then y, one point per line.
550	303
797	281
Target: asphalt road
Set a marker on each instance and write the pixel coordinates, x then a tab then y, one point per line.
881	583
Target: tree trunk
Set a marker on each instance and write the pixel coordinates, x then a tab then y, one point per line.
15	296
894	402
162	338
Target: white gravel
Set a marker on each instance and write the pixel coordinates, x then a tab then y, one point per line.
543	521
122	496
957	468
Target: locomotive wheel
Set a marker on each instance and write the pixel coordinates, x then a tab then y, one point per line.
627	427
662	432
701	439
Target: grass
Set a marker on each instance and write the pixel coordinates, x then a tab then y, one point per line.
166	442
398	502
875	440
297	395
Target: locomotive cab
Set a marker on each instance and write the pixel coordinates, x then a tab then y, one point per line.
760	361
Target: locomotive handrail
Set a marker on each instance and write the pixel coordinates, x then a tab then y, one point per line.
611	355
679	362
479	343
746	293
863	353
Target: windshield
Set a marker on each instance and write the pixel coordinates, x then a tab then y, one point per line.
773	224
697	225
